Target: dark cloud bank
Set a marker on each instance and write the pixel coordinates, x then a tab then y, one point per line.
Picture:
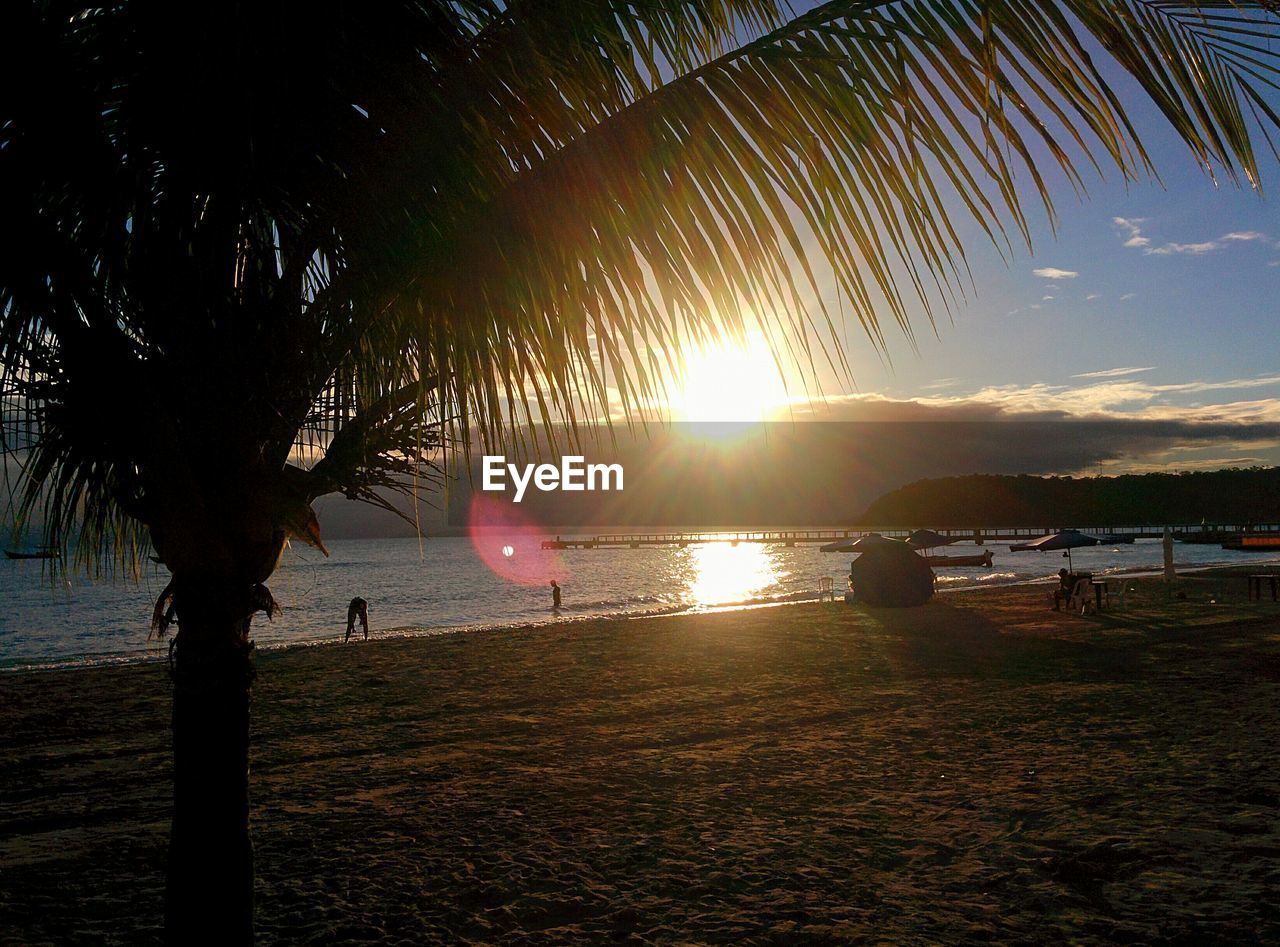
815	472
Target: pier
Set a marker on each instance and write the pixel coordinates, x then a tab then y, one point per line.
821	537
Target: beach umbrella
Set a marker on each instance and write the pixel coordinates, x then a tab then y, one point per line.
927	539
1067	539
862	544
890	574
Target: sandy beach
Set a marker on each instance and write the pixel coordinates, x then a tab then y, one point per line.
979	769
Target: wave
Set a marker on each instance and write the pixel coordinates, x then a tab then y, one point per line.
99	623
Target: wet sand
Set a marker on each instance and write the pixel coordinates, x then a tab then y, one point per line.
978	769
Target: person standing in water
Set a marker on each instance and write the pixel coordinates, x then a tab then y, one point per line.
358	608
555	595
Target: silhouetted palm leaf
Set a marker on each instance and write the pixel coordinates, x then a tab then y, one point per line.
259	252
231	248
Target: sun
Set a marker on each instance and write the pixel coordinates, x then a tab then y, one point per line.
729	381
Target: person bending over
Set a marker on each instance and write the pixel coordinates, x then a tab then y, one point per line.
358	608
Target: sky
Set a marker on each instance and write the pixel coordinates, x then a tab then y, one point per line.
1139	335
1151	301
1153	305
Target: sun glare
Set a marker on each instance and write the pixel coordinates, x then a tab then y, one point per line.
729	382
723	573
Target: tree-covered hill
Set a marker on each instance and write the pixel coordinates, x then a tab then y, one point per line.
1220	497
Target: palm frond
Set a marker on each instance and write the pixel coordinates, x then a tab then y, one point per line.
849	138
235	254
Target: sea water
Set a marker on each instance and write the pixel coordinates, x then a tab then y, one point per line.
436	586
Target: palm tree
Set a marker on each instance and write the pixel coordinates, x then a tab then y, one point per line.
262	252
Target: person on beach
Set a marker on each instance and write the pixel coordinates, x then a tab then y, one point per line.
1066	585
555	595
358	608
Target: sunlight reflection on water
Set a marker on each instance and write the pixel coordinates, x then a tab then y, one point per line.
723	573
451	583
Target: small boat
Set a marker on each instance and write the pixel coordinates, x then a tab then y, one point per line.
1116	539
33	554
956	561
1255	544
1208	537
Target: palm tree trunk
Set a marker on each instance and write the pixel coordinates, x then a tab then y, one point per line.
209	892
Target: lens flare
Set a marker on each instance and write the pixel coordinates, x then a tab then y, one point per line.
509	543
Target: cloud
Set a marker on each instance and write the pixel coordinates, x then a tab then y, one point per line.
1107	394
1114	372
1131	229
1128	398
1234	384
1195	463
1042	429
1194	249
1052	272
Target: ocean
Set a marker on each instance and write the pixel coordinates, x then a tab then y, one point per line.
440	586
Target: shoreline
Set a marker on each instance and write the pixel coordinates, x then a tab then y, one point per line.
403	632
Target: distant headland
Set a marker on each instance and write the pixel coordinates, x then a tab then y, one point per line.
1236	496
